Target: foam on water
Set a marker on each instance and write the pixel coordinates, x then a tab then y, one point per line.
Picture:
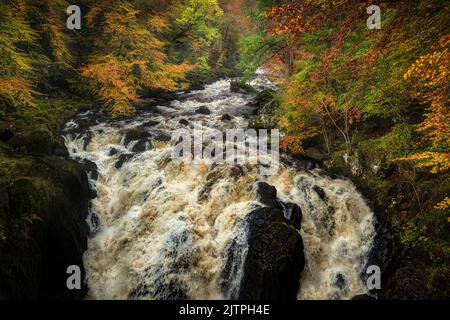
164	226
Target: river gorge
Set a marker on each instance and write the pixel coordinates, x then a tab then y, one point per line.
163	229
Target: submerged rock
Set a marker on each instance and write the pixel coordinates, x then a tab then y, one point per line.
241	87
293	213
226	117
142	145
161	136
122	159
112	151
320	192
135	134
150	123
90	167
184	122
203	110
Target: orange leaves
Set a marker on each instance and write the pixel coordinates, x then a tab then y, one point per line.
286	19
129	54
434	68
435	161
444	204
169	77
291	144
432	74
19	91
115	86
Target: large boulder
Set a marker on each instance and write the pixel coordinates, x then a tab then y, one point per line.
274	260
268	264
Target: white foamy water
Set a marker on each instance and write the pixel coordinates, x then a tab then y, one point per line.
164	226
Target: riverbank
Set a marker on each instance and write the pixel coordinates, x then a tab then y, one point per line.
44	204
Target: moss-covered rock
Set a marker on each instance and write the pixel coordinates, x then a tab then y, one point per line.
44	204
241	87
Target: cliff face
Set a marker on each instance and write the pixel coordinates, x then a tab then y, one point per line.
44	200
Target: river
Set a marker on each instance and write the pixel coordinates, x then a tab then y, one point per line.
161	227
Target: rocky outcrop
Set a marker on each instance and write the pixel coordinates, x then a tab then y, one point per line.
274	257
44	204
44	199
267	195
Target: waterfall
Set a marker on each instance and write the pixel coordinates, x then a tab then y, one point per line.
161	228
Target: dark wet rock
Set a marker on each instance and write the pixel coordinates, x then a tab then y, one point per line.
61	151
161	136
184	122
4	147
266	194
293	213
382	254
112	151
340	282
236	172
142	145
87	138
43	211
7	131
363	297
226	117
211	180
135	134
203	110
320	192
273	263
15	141
150	123
122	159
93	221
241	87
90	167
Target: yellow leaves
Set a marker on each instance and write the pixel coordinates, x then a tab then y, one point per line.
444	204
116	87
130	54
169	76
432	73
158	24
434	68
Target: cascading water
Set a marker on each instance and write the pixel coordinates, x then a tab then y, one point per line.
164	226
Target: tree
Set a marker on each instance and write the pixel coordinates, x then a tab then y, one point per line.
16	70
127	55
431	75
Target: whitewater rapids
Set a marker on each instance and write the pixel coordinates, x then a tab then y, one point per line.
160	228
